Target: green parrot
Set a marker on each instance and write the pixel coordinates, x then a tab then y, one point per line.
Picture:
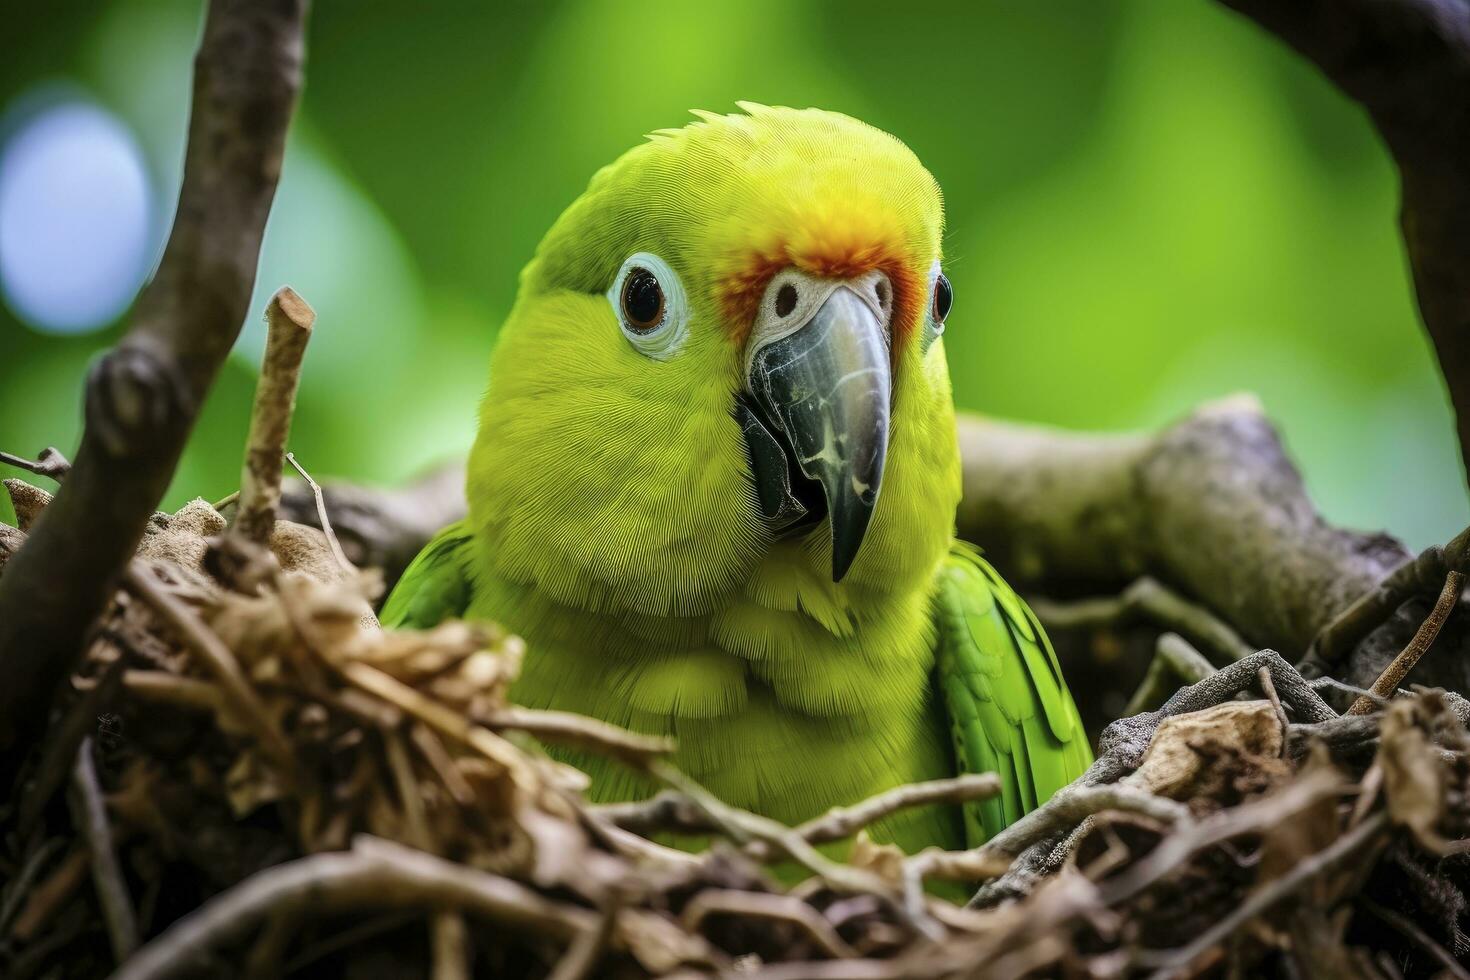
715	481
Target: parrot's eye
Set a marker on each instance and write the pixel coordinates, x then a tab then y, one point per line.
943	297
650	304
643	300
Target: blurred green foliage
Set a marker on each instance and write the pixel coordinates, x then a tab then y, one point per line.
1150	204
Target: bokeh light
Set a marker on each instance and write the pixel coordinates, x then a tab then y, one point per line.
75	216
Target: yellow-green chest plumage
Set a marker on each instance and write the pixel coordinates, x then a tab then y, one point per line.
715	479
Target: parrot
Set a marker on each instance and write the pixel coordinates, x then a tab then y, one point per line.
714	483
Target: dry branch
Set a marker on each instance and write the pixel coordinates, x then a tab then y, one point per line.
142	397
1211	506
376	875
1407	62
1393	675
288	328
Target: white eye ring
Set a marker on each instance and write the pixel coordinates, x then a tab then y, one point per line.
933	329
661	340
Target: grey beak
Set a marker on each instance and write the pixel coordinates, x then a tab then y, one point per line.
827	387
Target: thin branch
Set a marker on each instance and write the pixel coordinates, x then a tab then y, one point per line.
1347	846
321	509
1069	806
1247	818
1411	931
1175	661
49	464
586	950
840	822
743	828
1269	689
1393	675
144	396
777	908
90	814
1416	576
1148	598
374	875
288	328
566	728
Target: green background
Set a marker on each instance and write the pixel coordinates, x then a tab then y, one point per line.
1150	204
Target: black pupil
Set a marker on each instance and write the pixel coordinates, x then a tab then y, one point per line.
943	298
643	299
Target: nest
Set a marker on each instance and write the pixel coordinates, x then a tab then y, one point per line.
254	779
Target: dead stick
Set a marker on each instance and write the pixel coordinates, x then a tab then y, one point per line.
375	874
50	463
1351	844
1393	675
288	328
759	905
321	513
143	397
90	813
567	728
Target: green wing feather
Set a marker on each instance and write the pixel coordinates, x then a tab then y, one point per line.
1009	709
436	584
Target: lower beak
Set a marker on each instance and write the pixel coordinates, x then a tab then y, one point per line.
826	386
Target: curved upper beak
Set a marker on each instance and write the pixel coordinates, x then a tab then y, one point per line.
817	370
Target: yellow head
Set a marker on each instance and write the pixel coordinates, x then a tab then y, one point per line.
726	353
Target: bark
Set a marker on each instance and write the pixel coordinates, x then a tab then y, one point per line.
1407	62
143	396
1212	506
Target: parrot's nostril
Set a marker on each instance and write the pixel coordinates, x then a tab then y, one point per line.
785	300
882	292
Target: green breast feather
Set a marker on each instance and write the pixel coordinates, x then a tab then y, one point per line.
1009	709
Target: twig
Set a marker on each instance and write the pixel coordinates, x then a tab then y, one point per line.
90	815
1269	689
578	730
49	464
451	946
582	955
438	717
48	896
1416	575
1151	598
1175	661
288	329
17	889
1070	805
443	765
144	395
1247	818
1393	675
375	874
1346	846
1407	927
759	905
321	508
162	687
743	827
840	822
217	659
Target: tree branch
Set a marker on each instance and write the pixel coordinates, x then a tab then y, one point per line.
142	397
1211	505
1407	62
